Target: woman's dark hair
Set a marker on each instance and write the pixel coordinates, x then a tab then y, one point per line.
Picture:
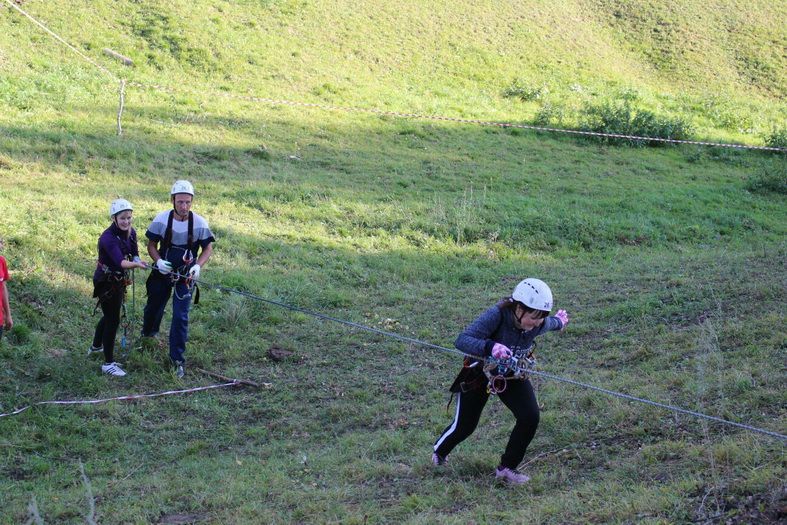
508	303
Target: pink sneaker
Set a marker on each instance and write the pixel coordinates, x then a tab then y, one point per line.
438	460
511	476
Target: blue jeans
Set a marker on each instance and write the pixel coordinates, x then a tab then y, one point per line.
159	289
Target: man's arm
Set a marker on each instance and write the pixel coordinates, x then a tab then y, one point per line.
207	251
153	251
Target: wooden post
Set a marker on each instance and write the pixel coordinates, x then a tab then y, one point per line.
125	60
120	107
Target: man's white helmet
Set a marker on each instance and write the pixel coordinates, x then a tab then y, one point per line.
182	186
533	293
119	205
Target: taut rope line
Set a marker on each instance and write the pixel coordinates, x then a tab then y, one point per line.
426	344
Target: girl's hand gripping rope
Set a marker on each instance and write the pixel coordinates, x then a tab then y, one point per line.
140	263
501	351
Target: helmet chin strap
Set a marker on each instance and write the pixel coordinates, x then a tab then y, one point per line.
177	213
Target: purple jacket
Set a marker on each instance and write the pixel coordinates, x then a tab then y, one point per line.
114	247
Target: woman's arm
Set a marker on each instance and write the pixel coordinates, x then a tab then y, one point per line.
475	339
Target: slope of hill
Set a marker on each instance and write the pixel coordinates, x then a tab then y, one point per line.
670	261
719	65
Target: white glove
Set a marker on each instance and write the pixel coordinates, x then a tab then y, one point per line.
163	266
194	272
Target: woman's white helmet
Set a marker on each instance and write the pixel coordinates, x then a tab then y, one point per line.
533	293
119	205
182	186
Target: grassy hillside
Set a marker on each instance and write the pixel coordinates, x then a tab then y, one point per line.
671	261
719	66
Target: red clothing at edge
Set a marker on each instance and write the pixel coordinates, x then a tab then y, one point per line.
3	278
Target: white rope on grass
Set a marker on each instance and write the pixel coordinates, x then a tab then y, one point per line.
62	40
130	397
419	116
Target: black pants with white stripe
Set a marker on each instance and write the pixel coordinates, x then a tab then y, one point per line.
520	399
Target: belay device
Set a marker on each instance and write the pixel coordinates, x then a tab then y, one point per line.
499	371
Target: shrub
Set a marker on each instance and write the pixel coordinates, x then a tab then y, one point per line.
549	115
769	180
526	93
623	119
777	138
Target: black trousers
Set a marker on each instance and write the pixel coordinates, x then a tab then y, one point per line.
520	399
110	296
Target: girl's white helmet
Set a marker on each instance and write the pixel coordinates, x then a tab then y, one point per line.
182	186
533	293
119	205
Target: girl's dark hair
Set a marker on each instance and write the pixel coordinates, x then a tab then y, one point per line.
508	303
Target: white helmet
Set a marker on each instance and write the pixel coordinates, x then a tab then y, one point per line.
182	186
119	205
534	294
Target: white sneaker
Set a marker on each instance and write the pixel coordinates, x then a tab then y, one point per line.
93	349
113	369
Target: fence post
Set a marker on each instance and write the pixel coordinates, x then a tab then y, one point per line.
120	106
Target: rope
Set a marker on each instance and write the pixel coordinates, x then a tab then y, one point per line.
352	109
426	344
661	405
62	41
121	398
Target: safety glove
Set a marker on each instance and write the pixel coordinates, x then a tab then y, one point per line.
501	351
194	272
140	262
563	316
163	266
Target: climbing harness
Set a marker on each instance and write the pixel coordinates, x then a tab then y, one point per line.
515	368
181	263
117	284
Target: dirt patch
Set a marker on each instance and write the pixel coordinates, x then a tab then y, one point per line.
279	354
757	508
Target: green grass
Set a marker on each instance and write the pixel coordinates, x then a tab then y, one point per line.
669	260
